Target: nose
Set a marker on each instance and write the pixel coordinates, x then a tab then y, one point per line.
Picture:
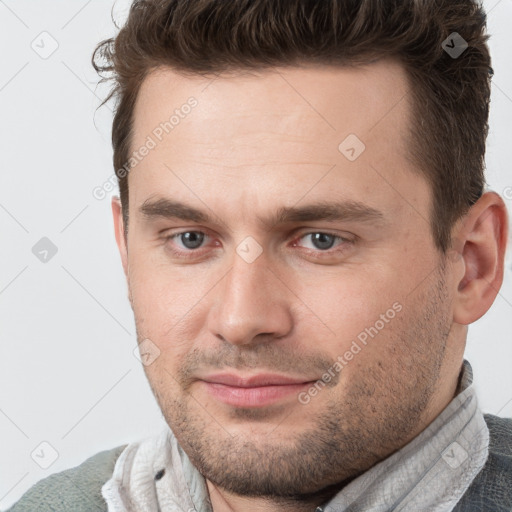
252	304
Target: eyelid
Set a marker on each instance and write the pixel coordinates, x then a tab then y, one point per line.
343	244
318	254
176	235
345	237
295	236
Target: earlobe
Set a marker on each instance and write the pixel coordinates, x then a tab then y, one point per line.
119	232
482	238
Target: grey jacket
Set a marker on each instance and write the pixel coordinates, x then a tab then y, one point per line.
79	489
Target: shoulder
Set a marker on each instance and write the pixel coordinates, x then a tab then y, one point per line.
499	463
491	490
500	430
77	489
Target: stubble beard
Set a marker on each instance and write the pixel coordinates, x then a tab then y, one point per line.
374	417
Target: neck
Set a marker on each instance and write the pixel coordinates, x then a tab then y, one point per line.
223	501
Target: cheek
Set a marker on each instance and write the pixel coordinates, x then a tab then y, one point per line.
171	310
347	303
331	305
163	297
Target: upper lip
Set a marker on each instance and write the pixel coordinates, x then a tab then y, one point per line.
261	379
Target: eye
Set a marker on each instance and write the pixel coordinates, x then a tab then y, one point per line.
190	239
317	244
186	244
323	241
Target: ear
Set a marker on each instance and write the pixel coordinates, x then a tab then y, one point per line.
481	241
119	232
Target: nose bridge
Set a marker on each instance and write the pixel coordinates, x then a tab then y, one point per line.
250	302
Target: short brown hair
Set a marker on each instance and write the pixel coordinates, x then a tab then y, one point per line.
450	95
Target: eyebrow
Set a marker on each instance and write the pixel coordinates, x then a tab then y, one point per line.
321	211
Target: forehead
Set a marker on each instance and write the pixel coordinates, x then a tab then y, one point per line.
334	100
285	127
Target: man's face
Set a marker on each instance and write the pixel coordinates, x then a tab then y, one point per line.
297	346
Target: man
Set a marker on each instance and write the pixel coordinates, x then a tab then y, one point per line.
306	237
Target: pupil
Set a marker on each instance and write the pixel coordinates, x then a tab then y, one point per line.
192	239
323	240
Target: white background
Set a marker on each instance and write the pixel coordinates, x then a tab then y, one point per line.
67	369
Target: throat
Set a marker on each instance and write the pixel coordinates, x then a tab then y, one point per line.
224	501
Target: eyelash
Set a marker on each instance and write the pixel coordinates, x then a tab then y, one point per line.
193	253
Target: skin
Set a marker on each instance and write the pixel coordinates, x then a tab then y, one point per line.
254	143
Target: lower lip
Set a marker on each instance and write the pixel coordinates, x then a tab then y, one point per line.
254	396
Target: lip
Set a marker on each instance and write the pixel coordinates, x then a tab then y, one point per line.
253	391
253	381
